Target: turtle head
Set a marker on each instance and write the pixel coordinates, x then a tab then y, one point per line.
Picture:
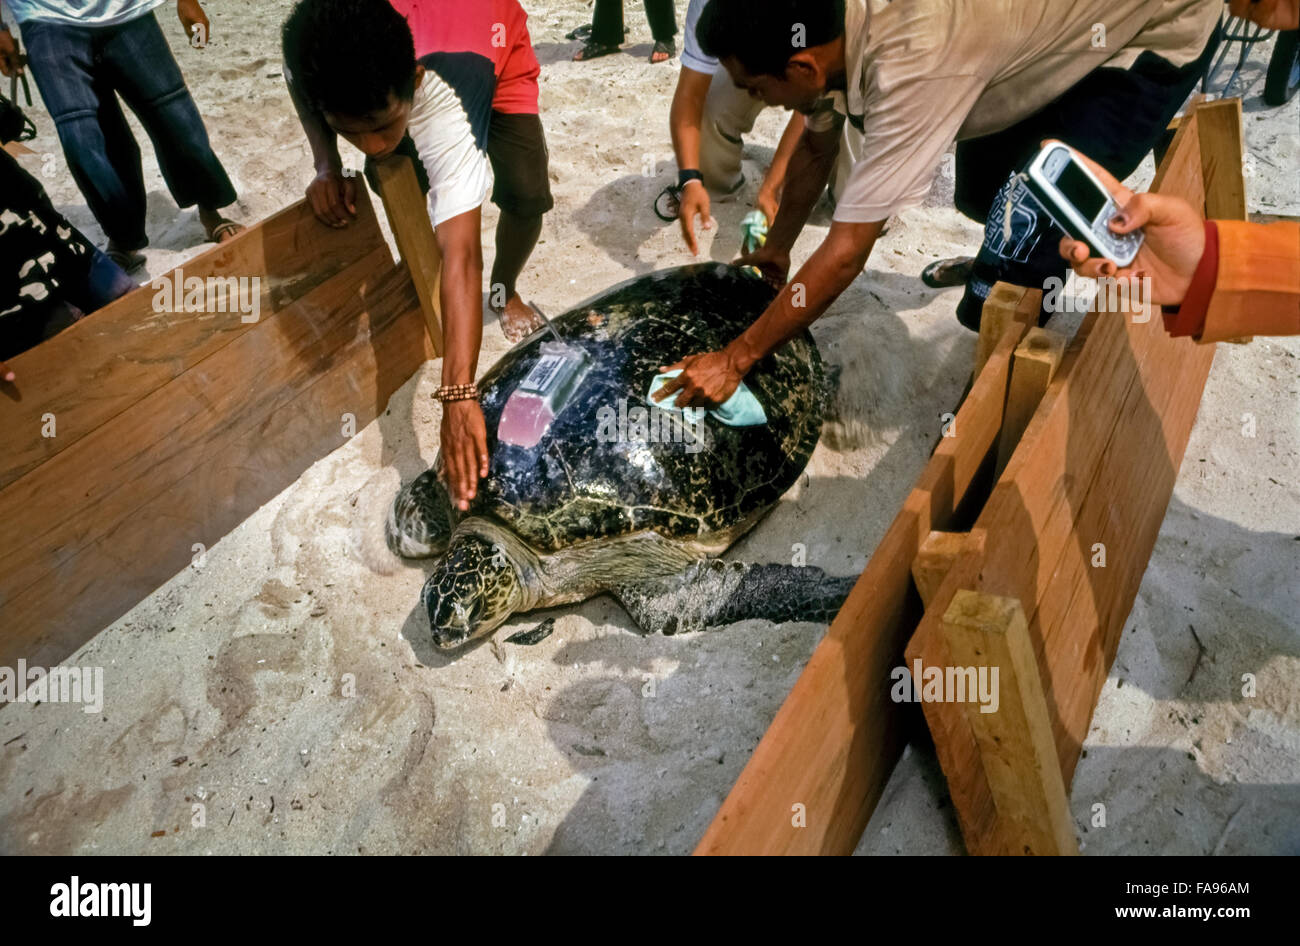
471	592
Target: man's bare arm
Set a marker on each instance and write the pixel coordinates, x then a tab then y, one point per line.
464	438
769	193
684	124
459	241
711	377
686	114
332	196
809	170
324	142
819	282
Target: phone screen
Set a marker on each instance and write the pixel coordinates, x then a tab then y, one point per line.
1080	190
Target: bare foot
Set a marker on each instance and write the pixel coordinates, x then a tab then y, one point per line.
518	320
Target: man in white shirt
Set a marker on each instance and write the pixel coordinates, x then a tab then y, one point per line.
83	54
709	118
1105	76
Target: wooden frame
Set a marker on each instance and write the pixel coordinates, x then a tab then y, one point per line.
1025	563
140	436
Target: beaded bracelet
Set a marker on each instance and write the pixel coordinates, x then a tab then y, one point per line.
457	392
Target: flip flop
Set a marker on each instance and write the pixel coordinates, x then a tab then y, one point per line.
223	229
669	50
594	51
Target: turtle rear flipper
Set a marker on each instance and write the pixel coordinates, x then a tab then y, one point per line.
419	523
715	593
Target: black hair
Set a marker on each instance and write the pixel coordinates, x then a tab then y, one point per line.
346	56
764	34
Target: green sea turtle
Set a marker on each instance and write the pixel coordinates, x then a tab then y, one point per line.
618	496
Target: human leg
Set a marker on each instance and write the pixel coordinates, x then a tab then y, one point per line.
141	66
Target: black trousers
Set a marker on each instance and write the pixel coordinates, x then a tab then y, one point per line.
607	21
1114	116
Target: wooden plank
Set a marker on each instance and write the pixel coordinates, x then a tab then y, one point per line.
999	312
1166	144
1071	524
1219	133
103	364
233	475
158	435
934	560
1032	368
405	205
988	635
1222	149
192	458
833	743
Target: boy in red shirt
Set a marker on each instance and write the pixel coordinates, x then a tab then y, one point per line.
453	85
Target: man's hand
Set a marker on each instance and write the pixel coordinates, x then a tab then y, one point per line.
769	201
464	450
694	202
333	197
192	16
11	63
706	380
1270	14
1172	246
774	264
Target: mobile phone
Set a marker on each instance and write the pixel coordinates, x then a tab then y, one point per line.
1079	203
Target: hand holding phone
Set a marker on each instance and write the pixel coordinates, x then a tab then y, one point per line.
1172	246
1080	202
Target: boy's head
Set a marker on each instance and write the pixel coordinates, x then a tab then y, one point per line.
778	50
354	62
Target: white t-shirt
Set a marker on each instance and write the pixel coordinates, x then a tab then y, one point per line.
455	161
923	73
692	57
80	12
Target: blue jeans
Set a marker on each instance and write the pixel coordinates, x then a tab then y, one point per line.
80	71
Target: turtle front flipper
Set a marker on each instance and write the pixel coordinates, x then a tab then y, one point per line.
715	593
419	523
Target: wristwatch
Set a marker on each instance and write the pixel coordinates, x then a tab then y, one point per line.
686	175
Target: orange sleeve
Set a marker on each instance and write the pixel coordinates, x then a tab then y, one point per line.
1258	286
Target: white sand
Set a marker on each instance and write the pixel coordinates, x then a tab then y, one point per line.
225	686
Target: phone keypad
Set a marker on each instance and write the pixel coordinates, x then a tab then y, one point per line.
1122	246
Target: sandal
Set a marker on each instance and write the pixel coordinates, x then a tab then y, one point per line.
594	51
127	260
667	49
584	32
225	229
